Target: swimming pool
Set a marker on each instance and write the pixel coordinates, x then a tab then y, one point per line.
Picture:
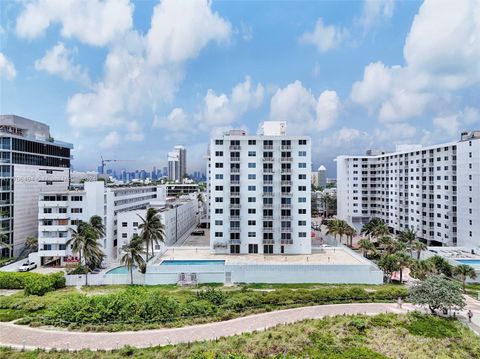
470	262
120	270
189	262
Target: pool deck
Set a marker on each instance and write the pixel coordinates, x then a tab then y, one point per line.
329	256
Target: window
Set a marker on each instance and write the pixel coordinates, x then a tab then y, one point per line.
302	234
252	222
251	154
302	142
302	176
302	211
302	165
252	211
218	234
219	142
76	210
252	176
302	223
252	199
47	210
234	248
251	188
135	224
218	223
219	153
302	188
302	153
252	165
124	224
252	234
219	176
252	142
124	235
302	199
218	210
253	248
268	248
218	188
77	198
218	199
218	165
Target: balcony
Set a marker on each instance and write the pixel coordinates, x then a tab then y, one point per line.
234	159
286	218
286	159
286	241
267	159
267	229
234	170
235	229
287	194
235	205
286	205
234	218
235	241
268	205
286	183
235	147
268	194
286	147
286	170
268	218
235	182
234	194
268	182
268	170
268	241
268	147
64	216
286	229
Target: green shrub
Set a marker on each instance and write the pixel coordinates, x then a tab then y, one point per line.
432	327
80	269
15	280
33	283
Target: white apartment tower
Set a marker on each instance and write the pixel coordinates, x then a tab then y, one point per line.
31	161
177	163
259	192
60	212
433	190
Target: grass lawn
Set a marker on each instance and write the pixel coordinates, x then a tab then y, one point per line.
473	290
343	337
115	308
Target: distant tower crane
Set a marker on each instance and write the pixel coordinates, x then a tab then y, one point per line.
104	162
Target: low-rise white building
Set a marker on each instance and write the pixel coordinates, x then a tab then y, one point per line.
60	212
178	216
434	190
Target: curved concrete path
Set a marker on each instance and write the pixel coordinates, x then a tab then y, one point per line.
19	336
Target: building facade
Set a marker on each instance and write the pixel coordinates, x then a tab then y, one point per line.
259	192
177	163
178	217
60	212
433	190
31	162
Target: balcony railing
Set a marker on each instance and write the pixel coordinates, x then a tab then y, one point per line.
286	159
268	147
234	194
234	218
268	170
268	229
286	205
235	170
234	205
234	229
235	241
286	229
235	147
268	205
286	170
286	147
287	194
268	218
286	183
268	241
267	159
234	159
286	218
286	241
267	182
268	194
235	182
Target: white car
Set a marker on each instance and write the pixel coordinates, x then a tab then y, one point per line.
25	267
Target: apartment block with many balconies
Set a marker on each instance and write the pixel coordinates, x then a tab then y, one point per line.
259	192
433	190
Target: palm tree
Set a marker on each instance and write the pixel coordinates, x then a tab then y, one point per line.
375	228
464	271
32	244
132	254
366	246
153	230
408	236
97	225
403	261
388	264
350	232
421	269
418	247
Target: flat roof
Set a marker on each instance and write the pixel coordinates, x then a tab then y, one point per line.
330	256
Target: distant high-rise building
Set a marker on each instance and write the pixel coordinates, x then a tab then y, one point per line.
32	162
322	177
177	163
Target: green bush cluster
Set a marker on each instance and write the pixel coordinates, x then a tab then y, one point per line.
141	305
32	283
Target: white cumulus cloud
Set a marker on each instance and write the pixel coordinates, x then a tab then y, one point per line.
324	37
7	68
112	139
58	61
93	22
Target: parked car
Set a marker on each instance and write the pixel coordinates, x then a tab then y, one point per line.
198	233
27	266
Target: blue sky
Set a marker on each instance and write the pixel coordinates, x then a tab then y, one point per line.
130	79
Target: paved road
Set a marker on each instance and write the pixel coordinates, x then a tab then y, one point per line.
30	338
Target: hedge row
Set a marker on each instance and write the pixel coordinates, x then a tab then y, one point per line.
32	283
138	305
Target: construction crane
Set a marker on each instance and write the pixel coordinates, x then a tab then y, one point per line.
104	162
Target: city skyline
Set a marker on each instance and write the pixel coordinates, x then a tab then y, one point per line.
349	79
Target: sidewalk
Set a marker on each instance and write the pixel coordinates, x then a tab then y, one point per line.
17	336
